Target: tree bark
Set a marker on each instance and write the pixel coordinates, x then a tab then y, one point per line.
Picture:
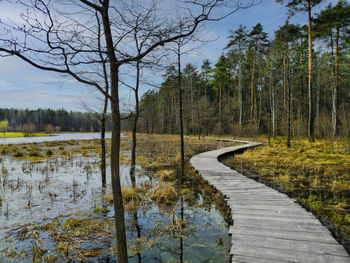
105	107
205	109
134	127
115	149
273	111
252	88
284	80
289	113
220	102
335	86
103	144
180	105
240	96
310	91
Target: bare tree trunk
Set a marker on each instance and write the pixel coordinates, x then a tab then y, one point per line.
192	114
288	114
115	173
104	113
180	105
317	110
220	109
335	86
240	98
134	127
259	114
205	109
317	107
115	149
252	88
284	80
273	112
103	143
310	91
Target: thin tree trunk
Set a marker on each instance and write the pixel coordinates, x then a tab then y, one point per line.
317	107
284	80
220	107
317	110
259	114
240	99
192	114
104	113
289	114
273	112
134	127
252	88
335	86
181	235
115	173
205	108
173	113
310	91
103	144
180	105
288	117
115	149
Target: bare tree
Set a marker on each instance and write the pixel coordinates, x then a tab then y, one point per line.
61	37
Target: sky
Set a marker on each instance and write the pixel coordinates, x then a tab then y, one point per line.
22	86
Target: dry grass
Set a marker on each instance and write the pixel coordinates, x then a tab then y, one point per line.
314	173
18	134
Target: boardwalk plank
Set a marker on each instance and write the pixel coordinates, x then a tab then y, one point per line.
268	225
323	237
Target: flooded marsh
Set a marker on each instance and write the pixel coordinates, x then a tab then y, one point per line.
53	208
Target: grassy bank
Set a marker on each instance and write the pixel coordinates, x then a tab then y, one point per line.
19	134
316	174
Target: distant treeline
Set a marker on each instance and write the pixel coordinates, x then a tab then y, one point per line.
52	120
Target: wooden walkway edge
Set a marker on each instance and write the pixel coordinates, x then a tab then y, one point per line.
268	226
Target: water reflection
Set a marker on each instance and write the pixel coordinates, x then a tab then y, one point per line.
64	191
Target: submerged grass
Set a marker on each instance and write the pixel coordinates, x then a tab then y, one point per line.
80	236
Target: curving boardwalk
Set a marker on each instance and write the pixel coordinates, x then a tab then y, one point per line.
268	225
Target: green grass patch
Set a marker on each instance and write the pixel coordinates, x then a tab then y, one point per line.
19	134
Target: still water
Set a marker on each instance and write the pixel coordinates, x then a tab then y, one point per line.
54	137
56	190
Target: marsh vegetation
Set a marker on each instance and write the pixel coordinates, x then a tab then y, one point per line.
316	174
54	209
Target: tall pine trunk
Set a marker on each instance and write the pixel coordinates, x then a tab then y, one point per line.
273	108
252	88
284	80
240	99
220	107
335	86
310	91
289	99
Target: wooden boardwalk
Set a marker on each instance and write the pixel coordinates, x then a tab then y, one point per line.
268	226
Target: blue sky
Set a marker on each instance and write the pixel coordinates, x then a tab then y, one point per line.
22	86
